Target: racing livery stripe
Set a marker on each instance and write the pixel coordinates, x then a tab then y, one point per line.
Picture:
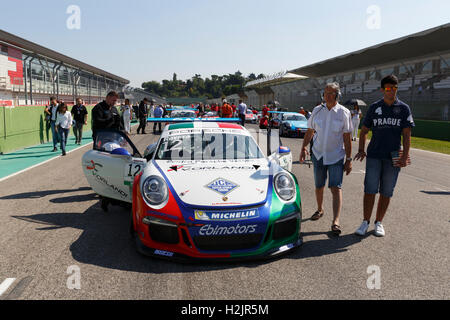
229	126
181	126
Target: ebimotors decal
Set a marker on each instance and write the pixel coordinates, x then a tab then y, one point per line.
226	216
222	186
209	230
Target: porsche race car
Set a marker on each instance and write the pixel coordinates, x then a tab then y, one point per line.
203	191
293	124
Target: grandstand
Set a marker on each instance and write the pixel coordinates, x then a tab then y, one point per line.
421	61
30	74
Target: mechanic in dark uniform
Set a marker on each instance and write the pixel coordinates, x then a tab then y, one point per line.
105	115
143	114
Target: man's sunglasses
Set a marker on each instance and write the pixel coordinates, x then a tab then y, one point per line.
391	89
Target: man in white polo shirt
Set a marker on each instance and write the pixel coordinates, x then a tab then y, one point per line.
330	128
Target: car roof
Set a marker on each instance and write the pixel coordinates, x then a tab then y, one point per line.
186	127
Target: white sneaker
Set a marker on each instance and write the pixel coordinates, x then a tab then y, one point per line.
363	229
379	230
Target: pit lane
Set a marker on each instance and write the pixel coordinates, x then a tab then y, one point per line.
51	220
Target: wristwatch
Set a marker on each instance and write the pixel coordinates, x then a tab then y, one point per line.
349	159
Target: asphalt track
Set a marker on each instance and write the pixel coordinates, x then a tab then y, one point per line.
50	221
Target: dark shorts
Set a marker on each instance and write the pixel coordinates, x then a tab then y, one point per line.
335	173
381	177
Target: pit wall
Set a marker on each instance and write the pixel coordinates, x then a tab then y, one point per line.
25	126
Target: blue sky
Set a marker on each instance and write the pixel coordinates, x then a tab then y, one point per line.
144	40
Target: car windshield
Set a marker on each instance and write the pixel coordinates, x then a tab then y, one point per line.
295	117
208	146
183	114
249	112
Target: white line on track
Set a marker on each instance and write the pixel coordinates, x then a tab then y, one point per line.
432	152
40	164
6	284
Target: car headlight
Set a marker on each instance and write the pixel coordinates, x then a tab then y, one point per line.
155	190
284	186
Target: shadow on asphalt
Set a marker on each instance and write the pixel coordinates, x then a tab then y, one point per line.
41	194
106	242
436	193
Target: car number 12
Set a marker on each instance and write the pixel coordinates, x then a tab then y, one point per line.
133	169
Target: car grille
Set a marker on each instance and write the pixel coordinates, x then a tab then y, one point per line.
163	234
285	227
227	243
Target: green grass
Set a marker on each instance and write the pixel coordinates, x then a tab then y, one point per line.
431	145
426	144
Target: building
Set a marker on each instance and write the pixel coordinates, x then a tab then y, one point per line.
421	61
30	73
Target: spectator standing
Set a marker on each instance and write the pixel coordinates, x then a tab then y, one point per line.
51	114
143	115
127	116
356	118
80	115
158	113
242	110
331	126
389	119
302	111
63	124
201	110
227	110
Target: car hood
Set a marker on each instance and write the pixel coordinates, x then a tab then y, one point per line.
217	183
298	124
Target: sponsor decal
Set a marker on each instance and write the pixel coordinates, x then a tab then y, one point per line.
222	186
164	253
226	216
209	230
113	187
175	168
184	193
93	166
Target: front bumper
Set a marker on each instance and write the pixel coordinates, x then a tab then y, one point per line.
183	258
282	236
295	132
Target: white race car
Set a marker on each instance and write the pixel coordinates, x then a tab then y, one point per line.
205	191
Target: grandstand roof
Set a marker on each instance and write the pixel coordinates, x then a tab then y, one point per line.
428	42
275	79
36	49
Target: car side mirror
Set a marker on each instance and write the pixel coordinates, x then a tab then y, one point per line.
285	158
150	151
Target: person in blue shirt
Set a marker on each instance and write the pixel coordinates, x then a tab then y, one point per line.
389	119
158	113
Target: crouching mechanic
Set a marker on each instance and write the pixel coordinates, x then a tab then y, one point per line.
389	119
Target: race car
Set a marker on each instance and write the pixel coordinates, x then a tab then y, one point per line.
204	191
211	114
276	120
293	124
183	113
250	116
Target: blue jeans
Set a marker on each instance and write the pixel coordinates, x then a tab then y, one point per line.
63	134
55	135
335	173
381	177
